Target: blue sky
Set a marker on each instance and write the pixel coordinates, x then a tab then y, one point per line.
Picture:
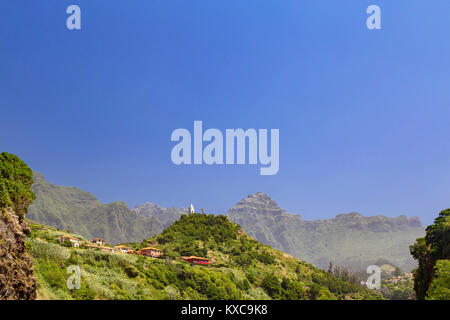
363	115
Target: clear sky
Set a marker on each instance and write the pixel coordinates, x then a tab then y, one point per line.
363	114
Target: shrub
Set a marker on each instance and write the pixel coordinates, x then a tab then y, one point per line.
440	286
17	179
5	201
272	285
266	258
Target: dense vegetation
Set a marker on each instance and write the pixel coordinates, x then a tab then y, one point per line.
196	234
241	268
16	179
433	254
440	286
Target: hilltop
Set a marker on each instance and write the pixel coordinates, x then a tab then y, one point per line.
350	240
240	268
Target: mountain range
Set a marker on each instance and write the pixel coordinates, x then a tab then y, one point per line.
350	240
70	208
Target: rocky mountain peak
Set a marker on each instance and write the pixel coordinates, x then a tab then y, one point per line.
149	209
258	203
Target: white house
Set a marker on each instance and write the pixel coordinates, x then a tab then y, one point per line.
98	241
123	249
73	240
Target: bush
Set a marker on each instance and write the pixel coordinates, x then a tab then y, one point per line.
243	260
84	293
131	271
53	274
428	250
5	201
294	291
314	291
17	179
440	287
266	258
47	251
272	285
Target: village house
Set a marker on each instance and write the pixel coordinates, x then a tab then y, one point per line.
98	241
150	252
73	240
196	260
124	249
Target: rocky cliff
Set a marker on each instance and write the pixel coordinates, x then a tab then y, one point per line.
165	216
70	208
16	269
351	239
17	280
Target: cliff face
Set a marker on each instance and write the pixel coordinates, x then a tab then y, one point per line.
16	270
350	240
79	211
165	216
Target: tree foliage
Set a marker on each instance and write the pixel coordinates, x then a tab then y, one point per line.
428	250
16	179
440	286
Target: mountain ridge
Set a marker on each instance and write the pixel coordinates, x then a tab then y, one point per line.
350	239
322	241
66	207
166	216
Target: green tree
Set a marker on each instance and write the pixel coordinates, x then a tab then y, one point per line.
5	201
434	246
272	285
17	179
440	286
294	291
314	291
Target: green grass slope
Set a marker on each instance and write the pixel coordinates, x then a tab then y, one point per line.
241	267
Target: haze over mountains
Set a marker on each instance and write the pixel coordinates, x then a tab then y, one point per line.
165	216
70	208
350	239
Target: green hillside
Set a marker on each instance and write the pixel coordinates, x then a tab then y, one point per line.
70	208
349	240
241	267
